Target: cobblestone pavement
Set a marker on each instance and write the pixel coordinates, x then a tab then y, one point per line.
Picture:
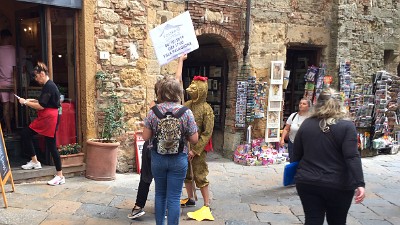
241	195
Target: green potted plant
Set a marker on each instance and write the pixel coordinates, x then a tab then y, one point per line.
71	155
101	152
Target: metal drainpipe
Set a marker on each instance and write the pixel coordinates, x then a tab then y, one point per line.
247	32
186	5
246	49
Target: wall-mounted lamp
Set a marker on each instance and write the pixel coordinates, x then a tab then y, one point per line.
29	30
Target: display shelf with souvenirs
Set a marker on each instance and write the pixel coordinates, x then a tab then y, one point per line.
275	97
259	153
345	80
361	104
319	84
259	100
385	136
241	96
251	103
359	100
310	77
374	110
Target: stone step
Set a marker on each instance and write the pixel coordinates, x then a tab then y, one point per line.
46	173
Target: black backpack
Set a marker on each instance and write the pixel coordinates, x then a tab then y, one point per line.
169	138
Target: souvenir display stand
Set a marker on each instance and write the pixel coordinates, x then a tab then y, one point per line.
241	97
373	107
359	99
259	153
385	136
250	105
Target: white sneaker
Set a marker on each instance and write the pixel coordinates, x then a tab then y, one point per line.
57	180
31	165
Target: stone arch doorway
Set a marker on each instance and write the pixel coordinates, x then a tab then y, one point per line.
216	58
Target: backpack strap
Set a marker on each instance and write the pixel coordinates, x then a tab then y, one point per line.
159	115
177	115
157	112
180	112
295	114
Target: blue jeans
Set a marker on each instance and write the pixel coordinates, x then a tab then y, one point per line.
290	149
169	172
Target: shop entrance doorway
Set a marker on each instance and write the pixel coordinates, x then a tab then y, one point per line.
47	34
210	60
297	61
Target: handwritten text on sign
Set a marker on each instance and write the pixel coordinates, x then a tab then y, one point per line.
4	166
174	38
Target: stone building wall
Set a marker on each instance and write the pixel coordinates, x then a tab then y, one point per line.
367	29
279	25
219	19
341	29
120	29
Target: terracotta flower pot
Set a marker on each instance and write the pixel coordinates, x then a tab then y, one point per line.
72	160
101	160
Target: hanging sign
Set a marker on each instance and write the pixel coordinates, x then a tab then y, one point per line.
5	170
174	38
139	149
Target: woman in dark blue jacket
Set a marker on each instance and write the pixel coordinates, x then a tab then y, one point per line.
330	170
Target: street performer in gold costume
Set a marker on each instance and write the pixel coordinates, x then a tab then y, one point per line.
204	117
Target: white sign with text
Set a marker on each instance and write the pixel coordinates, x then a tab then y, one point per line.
174	38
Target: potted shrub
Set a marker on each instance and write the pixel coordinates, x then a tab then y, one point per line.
71	155
101	152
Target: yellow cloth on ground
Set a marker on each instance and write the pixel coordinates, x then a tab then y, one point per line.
204	213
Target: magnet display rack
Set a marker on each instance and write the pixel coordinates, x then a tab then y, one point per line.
373	108
241	97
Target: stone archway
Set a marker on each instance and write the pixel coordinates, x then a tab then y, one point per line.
225	38
232	48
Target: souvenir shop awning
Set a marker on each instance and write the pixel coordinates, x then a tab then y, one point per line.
77	4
